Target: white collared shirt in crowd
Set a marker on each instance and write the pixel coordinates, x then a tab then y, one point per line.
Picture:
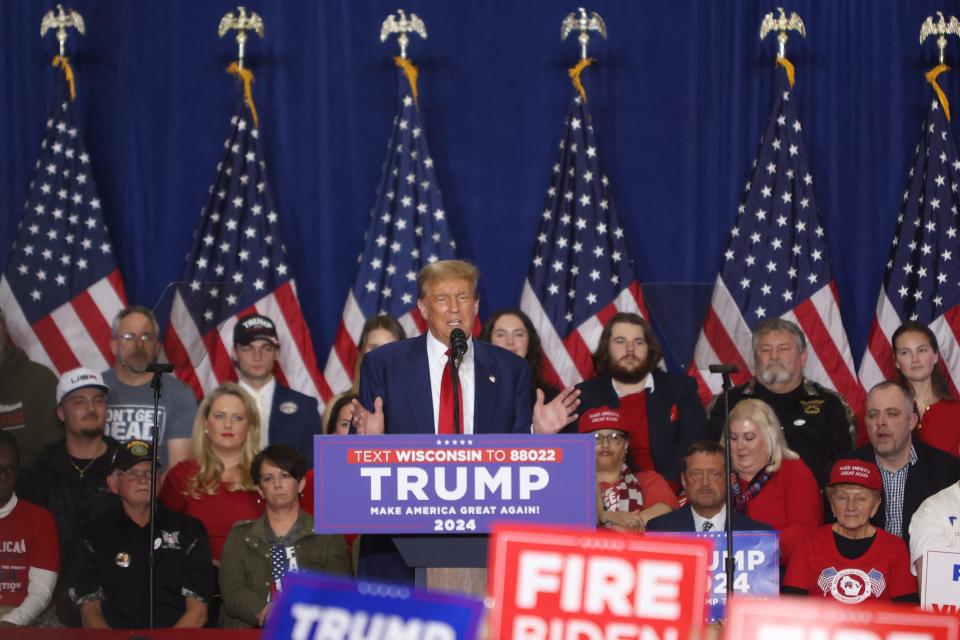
264	399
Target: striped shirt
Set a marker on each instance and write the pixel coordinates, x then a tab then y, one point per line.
894	484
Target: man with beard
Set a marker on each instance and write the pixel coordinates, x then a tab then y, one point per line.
704	481
69	477
135	344
818	423
661	410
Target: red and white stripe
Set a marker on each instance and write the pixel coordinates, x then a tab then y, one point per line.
76	334
204	361
878	362
569	359
726	338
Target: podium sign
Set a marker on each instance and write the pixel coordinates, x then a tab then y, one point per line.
318	606
791	618
443	484
940	585
756	569
552	582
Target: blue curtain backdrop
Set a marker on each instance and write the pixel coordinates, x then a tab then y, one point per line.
679	96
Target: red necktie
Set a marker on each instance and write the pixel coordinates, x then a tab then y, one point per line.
445	423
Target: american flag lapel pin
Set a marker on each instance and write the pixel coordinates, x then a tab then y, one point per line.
493	379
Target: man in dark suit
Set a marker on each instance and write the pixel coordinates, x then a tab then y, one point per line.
404	385
661	409
288	417
911	470
703	479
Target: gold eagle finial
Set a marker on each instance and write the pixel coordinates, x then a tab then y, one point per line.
580	21
61	21
941	28
782	24
403	25
242	22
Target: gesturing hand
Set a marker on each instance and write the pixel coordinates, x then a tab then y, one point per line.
558	413
365	422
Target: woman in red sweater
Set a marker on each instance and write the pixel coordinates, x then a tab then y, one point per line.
770	483
215	486
917	357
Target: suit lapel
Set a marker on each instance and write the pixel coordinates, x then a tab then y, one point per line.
484	388
418	392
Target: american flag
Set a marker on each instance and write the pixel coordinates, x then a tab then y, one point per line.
923	271
581	273
61	288
777	266
237	265
408	230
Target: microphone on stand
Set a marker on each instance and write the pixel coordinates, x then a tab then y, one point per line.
458	344
458	347
723	368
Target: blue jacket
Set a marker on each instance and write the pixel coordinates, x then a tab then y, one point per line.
682	520
294	420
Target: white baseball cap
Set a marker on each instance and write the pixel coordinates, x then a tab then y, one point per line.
79	379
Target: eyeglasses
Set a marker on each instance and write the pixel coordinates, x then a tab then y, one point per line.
10	469
133	475
610	439
144	338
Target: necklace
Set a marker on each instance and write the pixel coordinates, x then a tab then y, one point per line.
85	467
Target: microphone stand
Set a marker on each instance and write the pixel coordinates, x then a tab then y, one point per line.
158	370
729	563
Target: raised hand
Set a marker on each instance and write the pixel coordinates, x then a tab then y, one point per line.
365	422
558	413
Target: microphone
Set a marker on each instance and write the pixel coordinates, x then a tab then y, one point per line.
458	344
724	368
159	367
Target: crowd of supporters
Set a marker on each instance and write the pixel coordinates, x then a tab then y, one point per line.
234	482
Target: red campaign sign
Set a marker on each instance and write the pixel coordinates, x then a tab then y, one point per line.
818	619
555	583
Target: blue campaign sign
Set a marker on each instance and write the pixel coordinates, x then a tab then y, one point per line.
452	484
756	570
318	606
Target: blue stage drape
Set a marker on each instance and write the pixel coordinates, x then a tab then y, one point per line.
679	97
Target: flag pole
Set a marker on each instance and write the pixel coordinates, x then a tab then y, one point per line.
942	28
241	23
61	21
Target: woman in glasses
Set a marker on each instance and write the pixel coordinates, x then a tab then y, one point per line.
626	499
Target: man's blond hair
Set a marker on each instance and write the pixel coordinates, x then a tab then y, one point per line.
445	270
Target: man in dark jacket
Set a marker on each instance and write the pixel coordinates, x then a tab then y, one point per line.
69	477
662	410
911	470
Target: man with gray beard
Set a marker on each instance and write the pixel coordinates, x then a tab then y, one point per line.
817	422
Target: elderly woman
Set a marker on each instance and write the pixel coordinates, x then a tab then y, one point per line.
851	560
626	499
216	486
258	553
917	357
770	483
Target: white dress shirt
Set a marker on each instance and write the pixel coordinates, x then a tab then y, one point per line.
719	521
436	357
264	399
647	383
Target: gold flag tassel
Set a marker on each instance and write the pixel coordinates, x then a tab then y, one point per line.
932	79
575	75
788	66
64	63
410	71
247	76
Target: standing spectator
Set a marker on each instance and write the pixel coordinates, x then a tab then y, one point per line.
513	330
661	410
215	486
772	485
29	548
135	344
918	359
258	553
69	477
377	331
851	560
28	400
817	423
109	583
911	470
341	411
935	525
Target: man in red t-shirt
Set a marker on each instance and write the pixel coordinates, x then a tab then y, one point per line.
29	547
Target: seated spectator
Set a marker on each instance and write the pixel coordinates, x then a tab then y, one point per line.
911	470
918	360
28	400
935	525
851	560
513	330
772	484
661	410
705	484
338	414
29	548
69	477
109	581
626	499
258	553
216	486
